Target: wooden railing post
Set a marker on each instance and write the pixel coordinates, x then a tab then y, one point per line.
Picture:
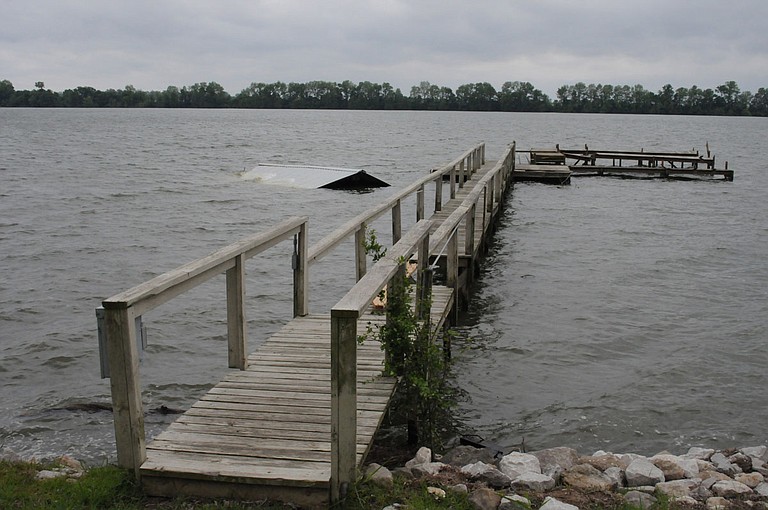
360	255
452	271
462	172
421	290
469	222
420	204
127	408
397	222
236	324
438	194
343	402
453	181
301	273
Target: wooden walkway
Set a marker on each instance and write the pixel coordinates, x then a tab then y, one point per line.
288	425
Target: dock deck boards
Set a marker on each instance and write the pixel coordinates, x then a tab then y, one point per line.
265	432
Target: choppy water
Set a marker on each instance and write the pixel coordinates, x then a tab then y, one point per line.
615	314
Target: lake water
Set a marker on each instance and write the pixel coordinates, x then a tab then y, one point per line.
627	315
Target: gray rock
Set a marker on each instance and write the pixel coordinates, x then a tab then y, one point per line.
463	455
676	468
380	476
723	465
643	472
639	499
604	461
697	453
730	488
486	473
685	500
743	461
514	502
751	480
495	479
588	478
459	488
551	503
760	452
476	469
535	482
515	464
484	499
553	458
717	503
423	456
427	469
49	474
762	489
677	488
616	475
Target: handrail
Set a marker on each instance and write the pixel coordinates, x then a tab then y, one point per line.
470	160
344	317
122	310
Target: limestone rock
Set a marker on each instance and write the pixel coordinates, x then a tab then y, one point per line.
760	452
717	503
697	453
495	479
639	499
588	478
762	489
603	462
427	469
423	456
723	465
743	461
535	482
730	488
514	502
476	469
459	488
551	503
685	500
616	475
677	488
751	480
380	475
484	499
554	461
464	454
515	464
676	468
643	472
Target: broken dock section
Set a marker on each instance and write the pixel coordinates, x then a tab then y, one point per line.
557	166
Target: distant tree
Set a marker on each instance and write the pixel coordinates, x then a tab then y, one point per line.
6	92
39	85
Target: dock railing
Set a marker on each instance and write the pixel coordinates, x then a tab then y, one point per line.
457	172
121	311
344	318
346	313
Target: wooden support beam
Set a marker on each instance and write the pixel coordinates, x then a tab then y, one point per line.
343	404
360	255
124	381
397	222
301	273
236	323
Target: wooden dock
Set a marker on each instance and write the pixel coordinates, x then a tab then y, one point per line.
294	420
586	162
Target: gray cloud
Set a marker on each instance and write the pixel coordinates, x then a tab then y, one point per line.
153	44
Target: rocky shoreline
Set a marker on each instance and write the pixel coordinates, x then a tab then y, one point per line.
562	479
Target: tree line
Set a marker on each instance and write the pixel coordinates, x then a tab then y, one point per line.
513	96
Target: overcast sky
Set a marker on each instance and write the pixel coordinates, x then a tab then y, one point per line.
152	44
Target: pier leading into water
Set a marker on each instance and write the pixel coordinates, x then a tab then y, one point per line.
294	419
